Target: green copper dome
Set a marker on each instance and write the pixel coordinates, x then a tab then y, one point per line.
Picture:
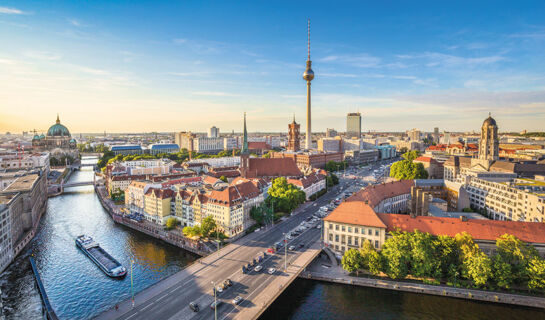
58	130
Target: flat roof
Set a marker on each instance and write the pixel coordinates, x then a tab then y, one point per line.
22	183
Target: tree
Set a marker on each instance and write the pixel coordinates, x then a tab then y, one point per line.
284	196
352	260
511	261
208	224
172	223
536	273
396	254
448	253
223	178
408	170
366	250
375	262
411	155
476	265
424	259
192	231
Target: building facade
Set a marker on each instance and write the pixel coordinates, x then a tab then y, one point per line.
293	136
353	125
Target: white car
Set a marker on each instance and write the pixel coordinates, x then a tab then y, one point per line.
237	300
258	268
219	289
291	248
271	270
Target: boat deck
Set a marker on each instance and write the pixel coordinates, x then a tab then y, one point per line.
103	257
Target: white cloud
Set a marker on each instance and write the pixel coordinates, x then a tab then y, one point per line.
6	10
93	71
359	60
74	22
216	94
437	58
42	55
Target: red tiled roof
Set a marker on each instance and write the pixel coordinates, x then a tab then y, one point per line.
423	159
355	212
307	181
376	193
273	167
160	193
259	146
533	232
234	194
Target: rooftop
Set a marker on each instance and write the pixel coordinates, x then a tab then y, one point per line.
23	183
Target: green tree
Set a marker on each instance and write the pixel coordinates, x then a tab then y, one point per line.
411	155
172	223
375	262
476	265
192	231
352	260
396	253
423	255
536	273
448	253
284	196
408	170
366	250
208	224
511	261
223	178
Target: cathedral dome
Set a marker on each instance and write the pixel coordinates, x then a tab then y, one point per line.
58	130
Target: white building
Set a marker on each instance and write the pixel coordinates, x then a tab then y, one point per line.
208	145
218	162
213	132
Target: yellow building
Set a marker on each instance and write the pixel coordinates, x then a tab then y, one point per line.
157	205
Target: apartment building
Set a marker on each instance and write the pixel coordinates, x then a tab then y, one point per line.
157	205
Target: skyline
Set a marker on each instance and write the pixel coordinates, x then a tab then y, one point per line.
149	69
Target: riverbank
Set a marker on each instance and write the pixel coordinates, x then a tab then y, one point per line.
151	229
324	272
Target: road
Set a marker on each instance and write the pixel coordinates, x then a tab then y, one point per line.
170	298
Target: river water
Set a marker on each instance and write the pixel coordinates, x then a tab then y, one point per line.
79	290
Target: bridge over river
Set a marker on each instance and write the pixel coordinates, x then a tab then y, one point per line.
170	298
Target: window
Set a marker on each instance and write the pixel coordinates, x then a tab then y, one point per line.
330	237
337	227
356	241
376	244
362	230
356	230
331	226
376	232
343	228
349	240
370	232
343	239
349	229
336	238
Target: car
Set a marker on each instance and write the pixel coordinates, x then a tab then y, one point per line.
270	250
258	268
318	227
237	300
291	248
249	267
314	205
301	245
289	237
215	304
271	270
228	282
219	289
194	306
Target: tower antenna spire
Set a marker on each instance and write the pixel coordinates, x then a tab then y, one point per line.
308	42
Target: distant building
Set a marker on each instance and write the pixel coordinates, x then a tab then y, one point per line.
127	149
414	134
293	136
433	167
353	125
164	148
184	140
58	141
213	132
330	145
310	160
436	135
208	145
331	133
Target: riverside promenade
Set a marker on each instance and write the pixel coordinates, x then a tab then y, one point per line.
323	270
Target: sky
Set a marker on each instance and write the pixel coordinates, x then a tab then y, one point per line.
142	66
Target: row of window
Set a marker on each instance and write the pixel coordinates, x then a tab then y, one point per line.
356	229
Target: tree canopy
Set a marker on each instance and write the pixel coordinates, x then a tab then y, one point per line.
407	169
284	196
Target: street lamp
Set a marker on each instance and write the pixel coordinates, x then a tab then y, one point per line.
285	253
132	290
215	303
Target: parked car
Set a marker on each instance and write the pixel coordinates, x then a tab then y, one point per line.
258	268
237	300
271	270
215	304
301	245
194	306
219	289
228	282
270	250
291	248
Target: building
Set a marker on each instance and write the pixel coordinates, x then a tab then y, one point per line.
218	162
231	143
25	161
22	204
164	148
386	152
489	144
331	133
353	125
293	136
436	135
310	160
433	167
207	145
356	221
308	75
213	132
310	184
184	140
330	145
157	205
362	156
127	149
58	142
414	134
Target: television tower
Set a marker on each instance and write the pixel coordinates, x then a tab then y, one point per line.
308	75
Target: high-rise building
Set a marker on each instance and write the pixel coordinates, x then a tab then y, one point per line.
293	134
213	132
353	125
489	144
308	75
414	134
436	135
184	140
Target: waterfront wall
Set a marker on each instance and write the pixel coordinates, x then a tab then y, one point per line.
445	291
152	230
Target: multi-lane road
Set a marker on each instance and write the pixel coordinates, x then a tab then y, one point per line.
170	298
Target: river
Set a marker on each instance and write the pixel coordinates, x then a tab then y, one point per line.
79	290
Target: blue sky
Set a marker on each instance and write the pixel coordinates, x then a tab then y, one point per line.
188	65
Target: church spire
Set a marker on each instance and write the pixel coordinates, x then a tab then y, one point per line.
58	120
245	138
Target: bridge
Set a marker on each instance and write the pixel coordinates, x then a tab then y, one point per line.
169	299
